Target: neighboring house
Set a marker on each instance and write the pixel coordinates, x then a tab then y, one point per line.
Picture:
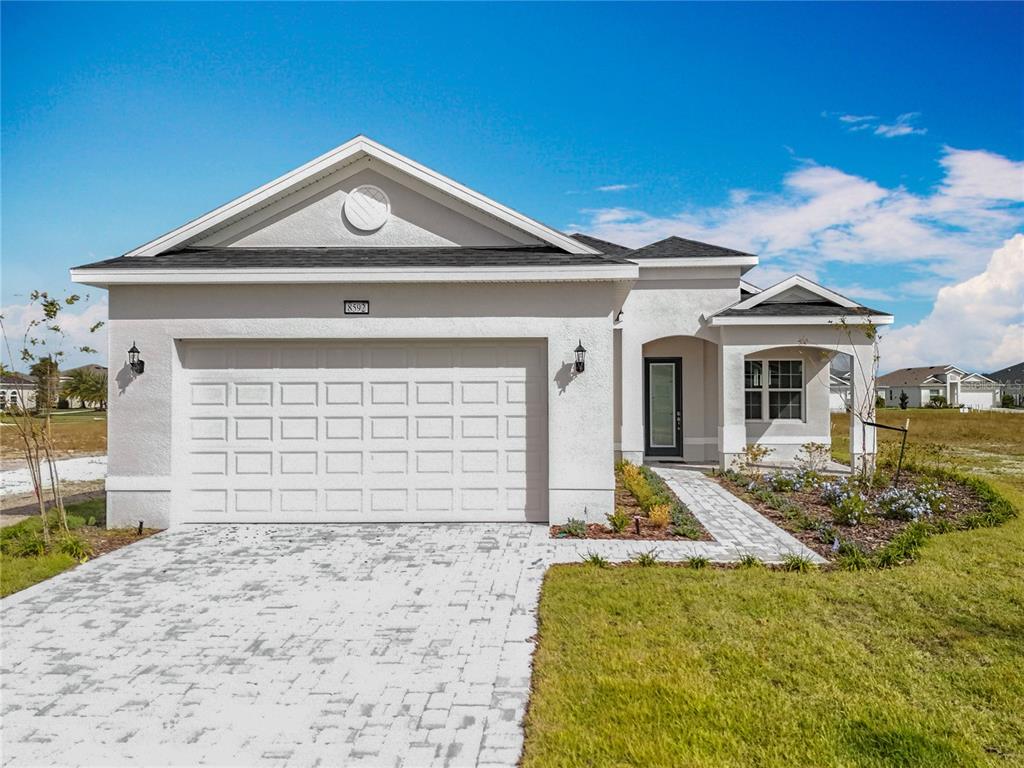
363	339
923	385
839	391
65	376
1011	379
17	390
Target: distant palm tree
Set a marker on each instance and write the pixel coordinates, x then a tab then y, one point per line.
86	387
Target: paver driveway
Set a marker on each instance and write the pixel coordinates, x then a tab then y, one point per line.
279	645
306	645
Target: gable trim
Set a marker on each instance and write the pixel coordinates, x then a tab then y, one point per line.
337	158
796	281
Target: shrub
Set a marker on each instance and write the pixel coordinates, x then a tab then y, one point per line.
619	519
797	563
850	557
1007	401
904	400
750	561
814	457
903	547
698	562
592	558
753	455
646	559
75	547
910	504
686	530
28	544
937	401
574	528
850	510
660	515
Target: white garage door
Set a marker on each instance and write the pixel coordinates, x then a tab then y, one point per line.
979	400
359	432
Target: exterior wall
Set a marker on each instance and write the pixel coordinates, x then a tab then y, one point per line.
815	345
314	217
670	302
785	436
142	408
700	442
25	396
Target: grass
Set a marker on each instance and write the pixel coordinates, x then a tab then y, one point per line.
982	442
86	519
74	433
913	666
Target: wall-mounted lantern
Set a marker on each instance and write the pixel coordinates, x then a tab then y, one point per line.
137	365
581	356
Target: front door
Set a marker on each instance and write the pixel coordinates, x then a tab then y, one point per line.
663	430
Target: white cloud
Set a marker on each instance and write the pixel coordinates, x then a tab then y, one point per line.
977	323
902	127
75	321
909	245
616	187
825	216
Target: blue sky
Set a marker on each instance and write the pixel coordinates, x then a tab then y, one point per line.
878	148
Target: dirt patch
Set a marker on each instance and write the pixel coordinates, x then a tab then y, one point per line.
816	527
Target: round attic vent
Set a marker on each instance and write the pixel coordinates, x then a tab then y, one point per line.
367	208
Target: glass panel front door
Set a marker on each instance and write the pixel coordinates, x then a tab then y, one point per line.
662	405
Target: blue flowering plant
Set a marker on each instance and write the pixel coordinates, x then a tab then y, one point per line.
911	504
846	501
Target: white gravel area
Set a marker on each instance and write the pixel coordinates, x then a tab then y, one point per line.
15	481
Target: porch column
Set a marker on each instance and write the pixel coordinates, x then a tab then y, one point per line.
632	432
863	439
732	428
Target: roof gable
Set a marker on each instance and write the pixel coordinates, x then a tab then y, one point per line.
797	290
304	204
673	247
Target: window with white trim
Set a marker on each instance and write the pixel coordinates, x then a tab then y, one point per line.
785	389
753	389
777	393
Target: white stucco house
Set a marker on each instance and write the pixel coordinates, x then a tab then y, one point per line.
364	339
954	385
17	391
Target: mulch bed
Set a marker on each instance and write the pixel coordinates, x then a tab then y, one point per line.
103	541
874	531
647	530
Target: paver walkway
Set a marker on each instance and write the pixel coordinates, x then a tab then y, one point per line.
738	529
379	645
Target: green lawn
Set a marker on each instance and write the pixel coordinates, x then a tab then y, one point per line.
921	665
87	520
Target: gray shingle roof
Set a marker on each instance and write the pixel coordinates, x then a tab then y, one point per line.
604	246
1012	374
345	258
798	309
910	377
680	248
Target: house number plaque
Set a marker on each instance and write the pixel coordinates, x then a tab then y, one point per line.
357	307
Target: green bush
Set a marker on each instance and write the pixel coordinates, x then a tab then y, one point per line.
75	547
592	558
797	563
574	528
646	559
697	562
619	520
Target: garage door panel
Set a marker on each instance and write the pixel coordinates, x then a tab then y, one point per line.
390	431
